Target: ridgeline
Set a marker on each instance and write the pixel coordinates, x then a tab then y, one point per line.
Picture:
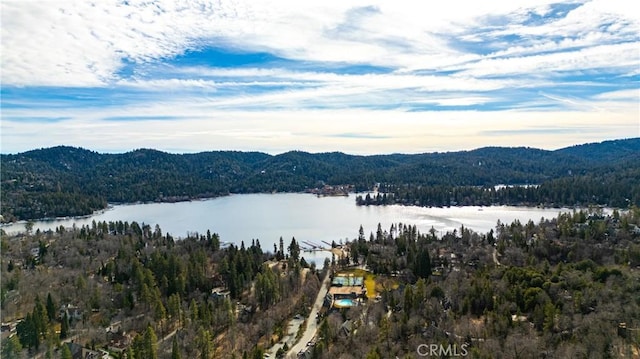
68	181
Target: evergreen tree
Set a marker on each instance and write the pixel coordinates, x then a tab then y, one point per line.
408	299
205	344
193	310
422	264
138	348
51	308
39	317
64	326
280	255
129	353
150	343
294	250
174	307
27	331
65	352
175	350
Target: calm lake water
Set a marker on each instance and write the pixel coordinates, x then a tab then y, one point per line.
306	217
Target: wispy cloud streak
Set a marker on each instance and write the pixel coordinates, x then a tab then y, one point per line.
242	71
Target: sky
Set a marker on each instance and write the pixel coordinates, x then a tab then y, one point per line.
361	77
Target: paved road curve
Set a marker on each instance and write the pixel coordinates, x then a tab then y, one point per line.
312	326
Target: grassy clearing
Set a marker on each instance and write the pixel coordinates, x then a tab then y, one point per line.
370	283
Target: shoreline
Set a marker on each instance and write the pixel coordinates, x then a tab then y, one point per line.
111	205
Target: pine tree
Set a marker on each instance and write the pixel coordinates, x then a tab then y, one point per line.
39	317
65	352
175	350
28	332
150	343
294	250
280	255
422	264
204	344
129	353
193	310
64	326
51	308
138	348
408	299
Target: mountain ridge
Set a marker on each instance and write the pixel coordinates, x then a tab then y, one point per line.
627	144
39	183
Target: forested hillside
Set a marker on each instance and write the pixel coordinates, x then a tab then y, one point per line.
67	181
123	287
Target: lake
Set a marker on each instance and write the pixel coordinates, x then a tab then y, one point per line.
267	217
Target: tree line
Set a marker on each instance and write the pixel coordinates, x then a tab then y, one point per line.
619	189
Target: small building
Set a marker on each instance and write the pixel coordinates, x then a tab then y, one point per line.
220	293
72	312
118	342
80	352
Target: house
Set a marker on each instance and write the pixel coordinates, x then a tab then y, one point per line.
35	252
220	293
72	312
118	342
80	352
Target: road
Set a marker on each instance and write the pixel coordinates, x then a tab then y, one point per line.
290	338
312	325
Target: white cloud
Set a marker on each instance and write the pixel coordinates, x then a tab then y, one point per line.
446	54
78	43
196	125
374	81
621	95
164	84
617	57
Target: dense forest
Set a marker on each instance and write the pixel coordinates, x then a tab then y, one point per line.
66	181
564	287
190	298
614	189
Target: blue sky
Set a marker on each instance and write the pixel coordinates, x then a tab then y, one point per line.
360	77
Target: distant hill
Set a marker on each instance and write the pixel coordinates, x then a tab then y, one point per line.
606	151
69	181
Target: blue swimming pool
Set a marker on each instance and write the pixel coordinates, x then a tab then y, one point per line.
344	303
